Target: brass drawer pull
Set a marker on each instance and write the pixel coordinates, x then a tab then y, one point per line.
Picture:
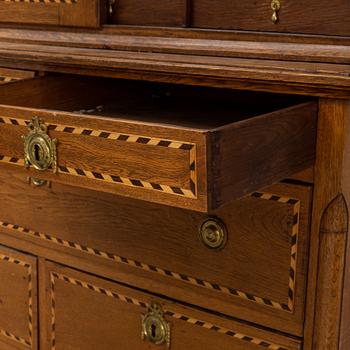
154	327
213	233
111	4
38	182
276	6
39	148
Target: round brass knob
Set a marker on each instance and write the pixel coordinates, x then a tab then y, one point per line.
154	327
213	233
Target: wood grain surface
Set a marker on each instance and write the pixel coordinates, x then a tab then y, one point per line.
315	17
150	12
330	221
169	241
18	301
80	13
108	315
137	149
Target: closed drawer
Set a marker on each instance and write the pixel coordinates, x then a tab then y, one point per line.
145	142
259	274
83	312
315	17
18	304
79	13
150	12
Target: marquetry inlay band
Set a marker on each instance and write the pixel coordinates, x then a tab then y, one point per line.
27	342
294	241
133	301
289	306
60	2
191	192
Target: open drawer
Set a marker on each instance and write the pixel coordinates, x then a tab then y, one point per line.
192	148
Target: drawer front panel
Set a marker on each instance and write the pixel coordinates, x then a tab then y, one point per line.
88	313
79	13
18	306
188	162
315	17
150	12
131	161
260	274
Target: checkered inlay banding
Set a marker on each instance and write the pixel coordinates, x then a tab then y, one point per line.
27	342
60	2
294	242
289	306
133	301
191	192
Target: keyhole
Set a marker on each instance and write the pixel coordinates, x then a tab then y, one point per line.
37	152
154	331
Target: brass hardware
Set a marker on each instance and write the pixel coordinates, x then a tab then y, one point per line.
213	233
111	4
154	327
38	182
276	6
39	148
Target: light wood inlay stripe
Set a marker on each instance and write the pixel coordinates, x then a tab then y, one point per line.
110	293
26	342
45	2
288	307
190	192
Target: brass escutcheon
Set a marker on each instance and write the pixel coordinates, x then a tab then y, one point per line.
154	327
39	148
213	233
275	6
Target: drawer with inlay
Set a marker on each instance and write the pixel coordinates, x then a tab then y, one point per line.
154	142
106	315
76	13
247	259
313	17
18	300
149	12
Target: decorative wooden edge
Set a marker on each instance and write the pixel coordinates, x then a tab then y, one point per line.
27	342
7	79
289	306
46	2
209	326
114	136
294	242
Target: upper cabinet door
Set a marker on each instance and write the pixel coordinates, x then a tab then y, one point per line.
292	16
172	13
77	13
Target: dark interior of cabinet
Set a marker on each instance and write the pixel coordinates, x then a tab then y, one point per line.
156	103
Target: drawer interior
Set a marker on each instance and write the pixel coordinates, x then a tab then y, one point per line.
167	105
191	147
